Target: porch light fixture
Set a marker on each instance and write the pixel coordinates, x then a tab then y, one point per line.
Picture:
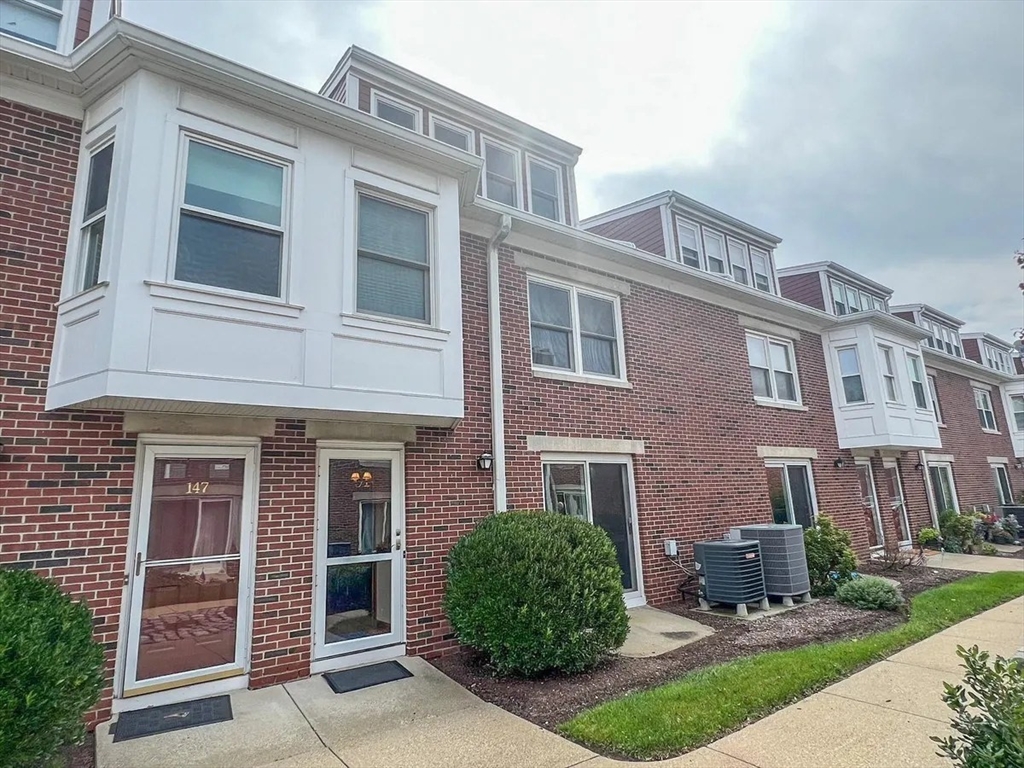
361	480
919	466
484	461
839	463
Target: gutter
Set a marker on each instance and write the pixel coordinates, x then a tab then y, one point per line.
494	351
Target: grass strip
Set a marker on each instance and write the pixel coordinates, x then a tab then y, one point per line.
711	702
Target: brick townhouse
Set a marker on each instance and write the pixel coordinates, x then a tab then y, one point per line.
251	356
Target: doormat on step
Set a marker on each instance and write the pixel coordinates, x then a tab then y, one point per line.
172	717
363	677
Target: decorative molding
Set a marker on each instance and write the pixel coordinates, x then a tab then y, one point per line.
762	326
938	458
775	452
178	424
997	460
551	444
566	272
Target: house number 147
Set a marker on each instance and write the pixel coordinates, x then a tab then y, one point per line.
197	487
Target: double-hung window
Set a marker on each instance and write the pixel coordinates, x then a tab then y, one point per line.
1003	484
94	215
231	227
1017	406
574	330
392	259
37	21
849	372
839	305
760	267
688	235
983	402
997	359
740	261
395	112
772	368
917	381
714	250
501	174
892	388
451	134
545	189
933	390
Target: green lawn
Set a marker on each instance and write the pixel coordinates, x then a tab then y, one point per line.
709	703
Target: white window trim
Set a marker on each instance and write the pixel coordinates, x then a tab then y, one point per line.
987	395
528	199
730	241
726	264
887	368
860	372
832	285
486	141
933	395
66	31
932	498
376	97
775	400
1011	414
698	237
1002	466
783	464
577	373
751	249
285	228
76	244
911	357
454	126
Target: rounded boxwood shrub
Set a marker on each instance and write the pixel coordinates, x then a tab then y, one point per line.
51	670
536	592
870	593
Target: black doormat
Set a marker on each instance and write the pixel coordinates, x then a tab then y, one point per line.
172	717
363	677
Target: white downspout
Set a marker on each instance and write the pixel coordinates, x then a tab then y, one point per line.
497	378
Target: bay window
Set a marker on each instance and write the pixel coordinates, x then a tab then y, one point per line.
37	21
917	381
574	330
231	222
849	372
392	259
891	384
94	216
772	369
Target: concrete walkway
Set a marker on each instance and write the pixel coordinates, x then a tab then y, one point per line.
883	715
977	563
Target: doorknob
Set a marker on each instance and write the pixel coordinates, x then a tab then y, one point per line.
138	563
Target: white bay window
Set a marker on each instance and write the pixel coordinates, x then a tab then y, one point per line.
850	373
94	215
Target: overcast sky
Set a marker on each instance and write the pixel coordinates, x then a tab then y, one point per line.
887	136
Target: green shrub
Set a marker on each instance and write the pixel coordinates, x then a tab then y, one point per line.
870	593
536	592
51	670
958	531
988	549
830	559
929	538
988	713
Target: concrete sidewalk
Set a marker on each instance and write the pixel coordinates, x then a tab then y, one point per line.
883	715
977	563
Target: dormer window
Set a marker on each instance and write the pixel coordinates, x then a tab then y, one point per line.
714	248
545	189
688	235
740	261
997	359
451	134
846	299
759	265
37	21
942	338
396	112
501	174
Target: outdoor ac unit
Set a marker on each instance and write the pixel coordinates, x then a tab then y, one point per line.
782	557
730	572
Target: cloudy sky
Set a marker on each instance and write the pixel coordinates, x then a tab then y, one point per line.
888	136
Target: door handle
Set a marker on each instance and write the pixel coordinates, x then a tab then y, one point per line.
138	563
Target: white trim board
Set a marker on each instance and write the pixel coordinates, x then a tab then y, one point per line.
773	452
551	444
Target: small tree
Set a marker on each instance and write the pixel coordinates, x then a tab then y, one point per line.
51	670
988	713
830	558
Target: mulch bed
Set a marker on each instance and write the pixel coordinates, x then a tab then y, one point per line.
552	700
82	755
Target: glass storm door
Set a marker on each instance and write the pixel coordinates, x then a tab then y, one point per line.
360	588
791	493
941	476
191	574
869	500
897	502
598	492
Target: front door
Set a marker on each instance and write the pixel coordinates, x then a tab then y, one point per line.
897	502
869	502
599	492
191	574
360	587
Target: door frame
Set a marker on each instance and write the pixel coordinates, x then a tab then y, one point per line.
894	464
784	465
876	510
636	597
359	650
149	448
933	499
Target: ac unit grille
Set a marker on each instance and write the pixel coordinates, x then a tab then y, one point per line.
731	570
783	556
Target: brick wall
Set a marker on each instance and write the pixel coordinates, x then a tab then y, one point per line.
803	288
84	21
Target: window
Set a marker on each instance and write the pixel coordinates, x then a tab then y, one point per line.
501	174
853	299
892	390
1003	484
392	259
849	371
545	190
94	215
933	390
37	21
943	489
689	244
846	299
714	249
997	359
772	368
943	338
917	381
839	304
451	134
1017	406
759	265
738	259
983	402
231	223
791	492
395	112
574	330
